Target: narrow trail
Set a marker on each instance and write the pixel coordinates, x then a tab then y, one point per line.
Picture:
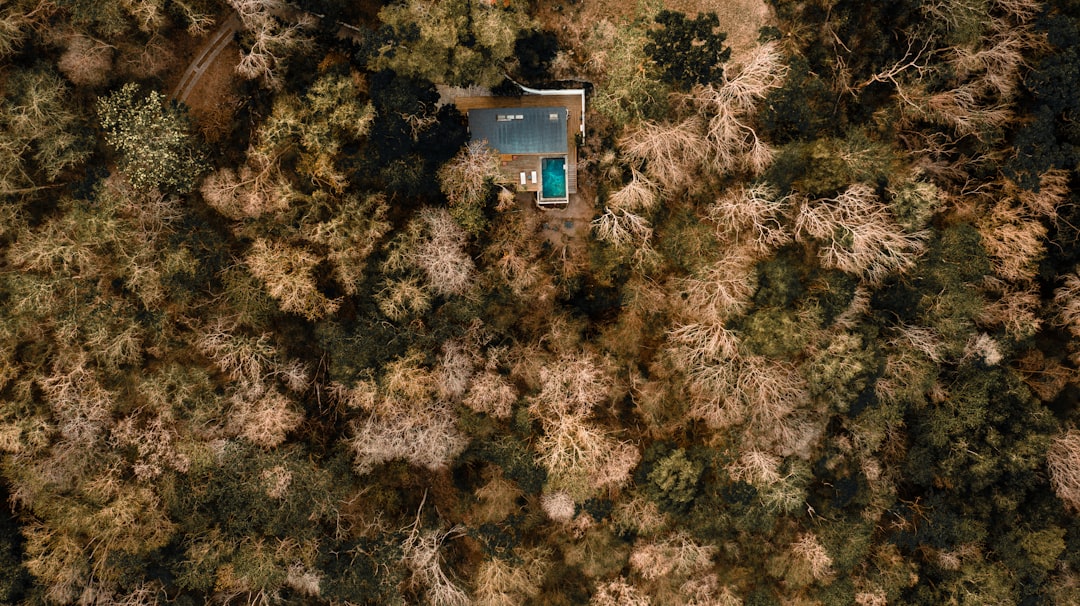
224	34
210	50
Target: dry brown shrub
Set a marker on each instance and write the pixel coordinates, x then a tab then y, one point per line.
502	583
403	297
618	593
491	393
86	61
277	479
707	591
424	435
810	549
1013	239
876	597
289	275
497	497
1063	461
154	442
675	555
1067	301
1052	193
262	417
1045	376
303	580
1016	308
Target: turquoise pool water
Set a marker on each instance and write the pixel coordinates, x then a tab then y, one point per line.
554	174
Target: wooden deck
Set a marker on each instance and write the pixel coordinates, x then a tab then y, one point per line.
528	163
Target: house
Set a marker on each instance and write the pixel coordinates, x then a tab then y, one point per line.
535	136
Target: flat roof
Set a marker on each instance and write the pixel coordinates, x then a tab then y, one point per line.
521	130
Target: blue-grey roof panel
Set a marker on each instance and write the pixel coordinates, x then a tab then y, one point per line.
521	130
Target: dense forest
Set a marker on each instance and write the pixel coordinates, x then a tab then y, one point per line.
278	333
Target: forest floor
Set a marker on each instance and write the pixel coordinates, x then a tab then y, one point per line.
564	227
207	84
213	100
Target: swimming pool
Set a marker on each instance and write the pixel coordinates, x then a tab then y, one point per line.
554	178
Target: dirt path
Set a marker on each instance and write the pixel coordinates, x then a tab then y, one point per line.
210	50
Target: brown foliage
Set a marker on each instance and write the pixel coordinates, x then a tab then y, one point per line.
1063	461
426	435
466	178
262	416
86	61
257	188
289	275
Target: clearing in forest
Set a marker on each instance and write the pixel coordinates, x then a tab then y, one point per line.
740	19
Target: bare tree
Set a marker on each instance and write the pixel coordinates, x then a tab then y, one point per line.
273	39
622	229
249	192
420	554
722	288
468	177
1063	461
247	359
676	555
288	273
858	235
810	549
87	61
756	467
262	416
757	214
618	593
1067	300
424	435
435	244
672	153
581	457
639	195
731	142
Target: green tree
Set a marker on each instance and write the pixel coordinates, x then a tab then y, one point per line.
456	42
153	139
688	51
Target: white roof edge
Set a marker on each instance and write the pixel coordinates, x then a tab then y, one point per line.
563	91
